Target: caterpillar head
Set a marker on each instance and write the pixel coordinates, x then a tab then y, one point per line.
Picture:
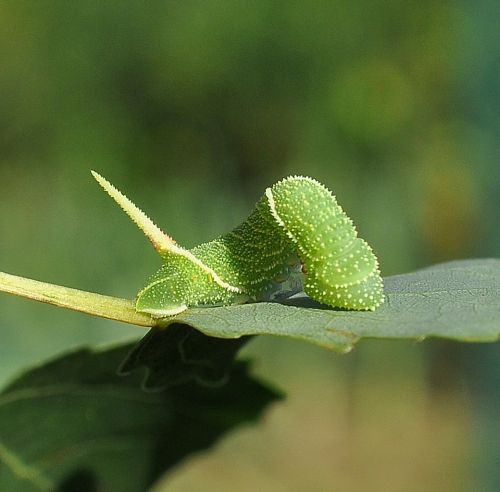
180	283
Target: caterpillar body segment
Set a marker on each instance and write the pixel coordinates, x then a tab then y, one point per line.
342	270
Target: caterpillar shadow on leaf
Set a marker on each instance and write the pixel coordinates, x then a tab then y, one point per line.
296	238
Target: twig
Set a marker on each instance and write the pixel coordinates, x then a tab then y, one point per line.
78	300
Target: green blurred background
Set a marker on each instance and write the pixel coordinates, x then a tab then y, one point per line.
193	108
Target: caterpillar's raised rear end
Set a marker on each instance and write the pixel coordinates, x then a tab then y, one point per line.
342	270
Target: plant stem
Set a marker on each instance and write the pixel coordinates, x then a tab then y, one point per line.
78	300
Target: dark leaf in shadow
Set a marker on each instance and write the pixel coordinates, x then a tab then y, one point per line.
74	423
180	354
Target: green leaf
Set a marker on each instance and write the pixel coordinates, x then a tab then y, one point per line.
73	424
458	300
180	354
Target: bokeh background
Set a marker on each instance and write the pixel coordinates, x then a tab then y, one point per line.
193	108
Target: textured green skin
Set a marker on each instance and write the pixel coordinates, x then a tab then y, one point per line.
297	223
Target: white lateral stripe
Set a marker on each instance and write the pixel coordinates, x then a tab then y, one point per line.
274	213
272	206
187	254
206	269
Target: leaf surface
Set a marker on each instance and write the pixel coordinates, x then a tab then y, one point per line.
73	424
458	300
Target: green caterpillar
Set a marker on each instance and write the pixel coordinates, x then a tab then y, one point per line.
297	234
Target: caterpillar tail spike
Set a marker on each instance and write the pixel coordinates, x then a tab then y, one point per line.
296	230
158	238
